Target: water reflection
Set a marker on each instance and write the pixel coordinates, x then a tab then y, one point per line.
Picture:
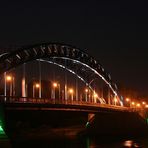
85	142
131	143
77	143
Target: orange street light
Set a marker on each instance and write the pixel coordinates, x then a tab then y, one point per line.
71	91
127	99
128	102
115	100
8	78
86	90
138	105
95	97
146	106
143	103
53	94
132	104
55	84
86	93
37	85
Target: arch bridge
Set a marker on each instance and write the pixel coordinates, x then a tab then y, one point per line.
75	77
59	81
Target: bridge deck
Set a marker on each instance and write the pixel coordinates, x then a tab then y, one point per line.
50	104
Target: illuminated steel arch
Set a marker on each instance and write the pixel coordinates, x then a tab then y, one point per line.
57	53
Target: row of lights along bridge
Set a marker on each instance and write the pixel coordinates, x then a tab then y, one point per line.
135	104
94	96
89	95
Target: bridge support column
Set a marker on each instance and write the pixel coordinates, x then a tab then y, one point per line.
40	88
24	82
91	117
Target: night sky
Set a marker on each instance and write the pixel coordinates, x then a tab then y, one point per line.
115	33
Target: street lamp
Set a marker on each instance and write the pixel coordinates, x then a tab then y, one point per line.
138	105
128	101
35	86
133	103
86	93
95	97
55	85
115	100
8	79
71	92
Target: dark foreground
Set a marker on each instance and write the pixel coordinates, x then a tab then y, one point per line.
73	129
85	142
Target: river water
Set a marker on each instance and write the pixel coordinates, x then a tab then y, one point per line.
83	142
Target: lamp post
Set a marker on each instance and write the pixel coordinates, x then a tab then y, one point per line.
95	97
133	104
143	103
35	86
138	105
115	100
71	92
55	85
8	79
128	101
86	94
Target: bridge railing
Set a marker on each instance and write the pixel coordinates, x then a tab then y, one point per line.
9	99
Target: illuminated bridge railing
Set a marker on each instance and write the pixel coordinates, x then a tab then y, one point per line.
26	100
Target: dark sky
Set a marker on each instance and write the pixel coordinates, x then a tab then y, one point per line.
114	32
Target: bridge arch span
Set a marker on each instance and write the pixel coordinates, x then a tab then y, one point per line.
57	54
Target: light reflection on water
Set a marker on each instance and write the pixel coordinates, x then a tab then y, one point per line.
68	138
80	143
